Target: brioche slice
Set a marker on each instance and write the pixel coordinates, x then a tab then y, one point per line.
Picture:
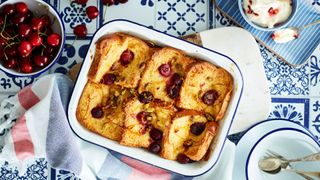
107	98
178	133
140	118
199	145
206	88
157	83
93	96
111	50
179	138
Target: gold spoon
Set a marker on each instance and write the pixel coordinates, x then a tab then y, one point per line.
274	163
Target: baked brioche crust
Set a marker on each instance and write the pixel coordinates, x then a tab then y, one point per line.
153	81
107	59
135	133
92	96
201	77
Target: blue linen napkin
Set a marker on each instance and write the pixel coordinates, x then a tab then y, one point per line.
294	52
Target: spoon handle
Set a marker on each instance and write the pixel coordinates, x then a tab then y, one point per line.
311	24
308	173
312	157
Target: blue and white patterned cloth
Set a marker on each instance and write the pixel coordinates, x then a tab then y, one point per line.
295	52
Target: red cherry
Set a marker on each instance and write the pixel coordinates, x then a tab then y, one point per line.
40	61
11	31
19	19
35	39
11	63
3	42
54	39
25	47
165	70
21	7
126	57
46	20
11	51
36	23
48	50
24	30
92	12
80	31
108	2
1	53
9	10
25	66
210	97
1	21
82	2
123	1
29	15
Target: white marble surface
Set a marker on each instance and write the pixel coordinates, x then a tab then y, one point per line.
240	46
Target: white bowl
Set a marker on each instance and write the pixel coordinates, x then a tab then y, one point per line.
140	31
57	27
290	143
255	142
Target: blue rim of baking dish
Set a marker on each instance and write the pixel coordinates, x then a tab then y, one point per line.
47	68
234	113
273	131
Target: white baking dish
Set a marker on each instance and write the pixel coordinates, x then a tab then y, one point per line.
192	169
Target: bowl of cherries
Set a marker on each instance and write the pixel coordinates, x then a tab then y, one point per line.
32	37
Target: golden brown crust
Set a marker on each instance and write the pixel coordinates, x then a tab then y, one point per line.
92	96
135	132
200	78
107	59
153	81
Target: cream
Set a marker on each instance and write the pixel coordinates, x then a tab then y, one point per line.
285	35
267	13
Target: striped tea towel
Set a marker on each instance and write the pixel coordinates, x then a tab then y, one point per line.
34	125
294	52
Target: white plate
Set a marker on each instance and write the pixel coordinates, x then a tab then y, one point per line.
290	143
250	144
192	169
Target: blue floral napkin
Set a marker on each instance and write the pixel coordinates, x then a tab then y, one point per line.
295	52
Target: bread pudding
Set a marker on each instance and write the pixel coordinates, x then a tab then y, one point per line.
152	97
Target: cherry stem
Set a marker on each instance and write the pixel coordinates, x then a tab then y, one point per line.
43	34
4	25
43	45
4	49
104	14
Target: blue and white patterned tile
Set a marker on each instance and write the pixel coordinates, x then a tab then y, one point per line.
181	17
59	174
221	20
314	62
293	109
315	4
36	170
142	12
284	79
73	53
315	117
74	14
